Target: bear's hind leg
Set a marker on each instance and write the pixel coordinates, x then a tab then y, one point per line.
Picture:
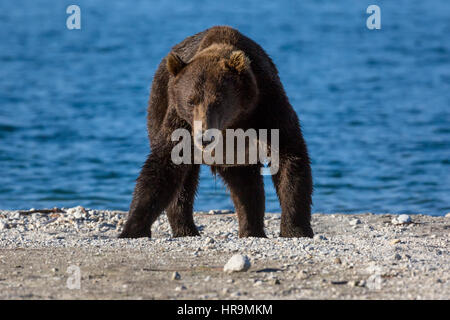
180	210
247	192
293	183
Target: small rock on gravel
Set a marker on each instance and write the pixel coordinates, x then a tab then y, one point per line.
319	237
397	257
176	276
237	263
3	225
236	294
275	282
180	288
357	283
401	219
354	222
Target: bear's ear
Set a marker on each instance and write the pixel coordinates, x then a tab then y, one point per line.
174	63
238	61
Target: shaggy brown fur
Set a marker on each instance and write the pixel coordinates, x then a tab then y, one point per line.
226	80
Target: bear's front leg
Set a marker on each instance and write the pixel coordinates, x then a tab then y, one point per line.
180	210
247	192
293	183
158	183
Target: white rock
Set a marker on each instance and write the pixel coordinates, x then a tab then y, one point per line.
15	215
401	219
354	222
319	237
77	212
257	283
3	225
447	215
237	263
78	215
180	288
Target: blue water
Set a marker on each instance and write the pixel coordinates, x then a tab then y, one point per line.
374	104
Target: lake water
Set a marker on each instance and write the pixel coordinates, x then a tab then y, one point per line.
374	104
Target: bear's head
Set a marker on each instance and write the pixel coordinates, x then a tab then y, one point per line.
217	87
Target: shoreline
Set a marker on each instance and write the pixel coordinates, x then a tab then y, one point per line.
352	256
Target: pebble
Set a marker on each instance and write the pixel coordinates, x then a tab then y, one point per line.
176	276
338	261
236	294
354	222
180	288
397	257
257	283
237	263
338	282
275	282
357	283
401	219
319	237
3	225
395	241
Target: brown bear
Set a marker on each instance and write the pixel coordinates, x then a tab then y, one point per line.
226	79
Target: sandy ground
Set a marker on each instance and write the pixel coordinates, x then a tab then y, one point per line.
362	256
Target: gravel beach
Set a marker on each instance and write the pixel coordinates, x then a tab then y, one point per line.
363	256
